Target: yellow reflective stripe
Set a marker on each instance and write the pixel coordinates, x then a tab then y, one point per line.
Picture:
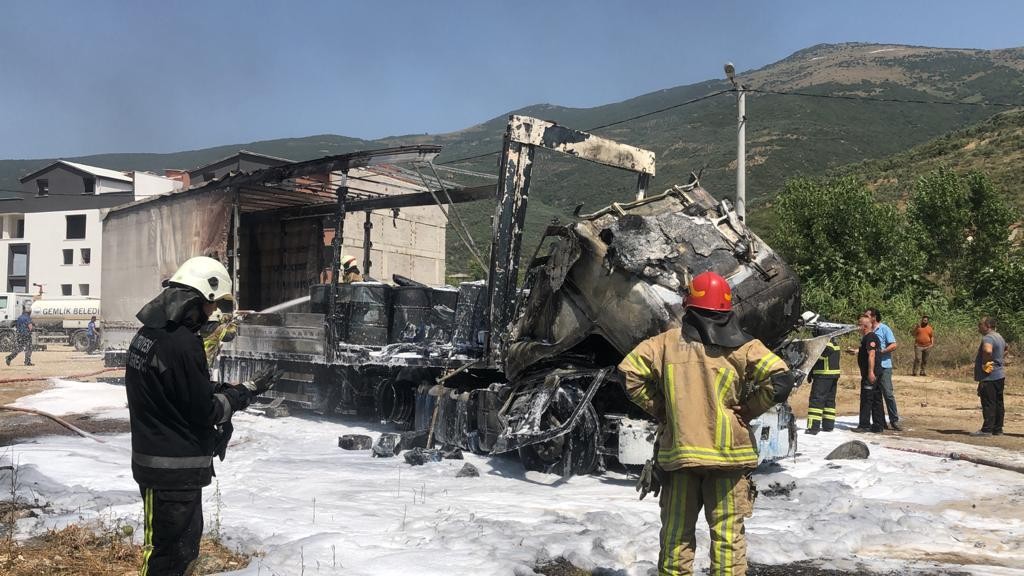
720	409
639	364
737	457
814	410
830	410
670	393
826	372
147	546
727	496
765	366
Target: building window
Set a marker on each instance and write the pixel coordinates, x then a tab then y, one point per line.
83	289
65	289
75	227
19	228
90	185
69	257
17	268
86	256
43	187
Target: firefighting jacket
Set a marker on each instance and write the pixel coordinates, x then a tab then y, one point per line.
173	408
827	365
689	389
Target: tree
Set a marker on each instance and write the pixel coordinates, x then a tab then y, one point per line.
835	233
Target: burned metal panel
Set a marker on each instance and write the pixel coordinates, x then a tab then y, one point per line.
506	242
534	132
624	285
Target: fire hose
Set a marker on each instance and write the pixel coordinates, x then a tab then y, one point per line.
58	420
965	457
72	377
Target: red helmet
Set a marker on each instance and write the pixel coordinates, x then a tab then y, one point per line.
709	291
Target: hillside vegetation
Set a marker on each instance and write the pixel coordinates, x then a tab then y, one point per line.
787	135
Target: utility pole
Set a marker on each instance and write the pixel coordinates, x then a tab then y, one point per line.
741	142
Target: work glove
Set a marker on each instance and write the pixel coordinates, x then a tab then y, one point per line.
650	480
263	381
223	436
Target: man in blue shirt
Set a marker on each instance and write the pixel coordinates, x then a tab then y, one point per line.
991	378
90	331
23	327
888	344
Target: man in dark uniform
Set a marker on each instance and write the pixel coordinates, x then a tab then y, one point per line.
175	413
821	410
869	359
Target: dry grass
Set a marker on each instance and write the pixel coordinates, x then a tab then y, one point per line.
97	551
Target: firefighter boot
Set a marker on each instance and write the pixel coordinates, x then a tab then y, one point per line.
813	420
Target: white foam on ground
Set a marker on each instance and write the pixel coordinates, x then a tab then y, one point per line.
287	492
103	400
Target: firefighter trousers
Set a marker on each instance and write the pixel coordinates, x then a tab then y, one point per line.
173	527
821	409
727	497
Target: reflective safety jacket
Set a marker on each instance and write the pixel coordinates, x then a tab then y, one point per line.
689	389
827	365
173	409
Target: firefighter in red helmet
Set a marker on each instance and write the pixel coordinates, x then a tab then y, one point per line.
703	382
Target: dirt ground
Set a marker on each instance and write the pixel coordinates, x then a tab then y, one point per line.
18	380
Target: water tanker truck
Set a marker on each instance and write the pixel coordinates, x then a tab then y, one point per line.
55	321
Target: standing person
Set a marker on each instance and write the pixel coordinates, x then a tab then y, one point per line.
888	343
924	339
991	378
869	360
90	331
174	410
704	382
23	327
821	409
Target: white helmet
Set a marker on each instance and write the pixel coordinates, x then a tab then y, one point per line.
348	262
207	276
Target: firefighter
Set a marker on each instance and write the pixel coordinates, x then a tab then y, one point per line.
175	411
704	382
821	410
350	271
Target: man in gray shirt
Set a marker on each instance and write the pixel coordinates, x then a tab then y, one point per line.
988	371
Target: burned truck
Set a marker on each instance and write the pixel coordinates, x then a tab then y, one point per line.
521	362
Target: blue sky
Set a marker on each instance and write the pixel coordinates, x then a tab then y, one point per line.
145	76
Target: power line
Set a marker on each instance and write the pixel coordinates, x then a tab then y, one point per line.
610	124
889	100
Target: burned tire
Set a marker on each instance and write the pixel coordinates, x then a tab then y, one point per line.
80	340
573	453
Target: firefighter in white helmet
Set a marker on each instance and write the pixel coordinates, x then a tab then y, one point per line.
349	270
179	420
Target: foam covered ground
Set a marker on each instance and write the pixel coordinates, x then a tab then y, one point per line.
289	493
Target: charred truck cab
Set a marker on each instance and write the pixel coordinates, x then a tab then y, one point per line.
497	366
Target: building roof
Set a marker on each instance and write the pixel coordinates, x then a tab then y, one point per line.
238	155
81	168
290	185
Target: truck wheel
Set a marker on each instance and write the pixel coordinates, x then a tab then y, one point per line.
80	340
573	453
6	342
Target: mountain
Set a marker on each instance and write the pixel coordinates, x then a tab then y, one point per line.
787	135
995	147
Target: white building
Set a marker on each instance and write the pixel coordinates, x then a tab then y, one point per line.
50	234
